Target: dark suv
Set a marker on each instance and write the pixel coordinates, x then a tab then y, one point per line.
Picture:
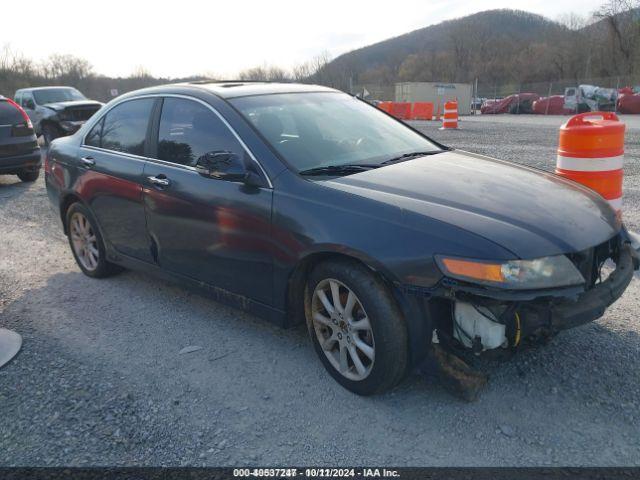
19	151
56	111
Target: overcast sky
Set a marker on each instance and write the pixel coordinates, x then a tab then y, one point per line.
186	37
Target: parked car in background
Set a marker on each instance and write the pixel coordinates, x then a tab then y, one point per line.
301	203
477	102
553	105
56	111
19	151
589	98
516	103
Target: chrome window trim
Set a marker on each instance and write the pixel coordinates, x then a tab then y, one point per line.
140	157
164	162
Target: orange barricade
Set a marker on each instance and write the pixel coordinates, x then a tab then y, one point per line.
422	111
450	117
385	106
401	110
591	152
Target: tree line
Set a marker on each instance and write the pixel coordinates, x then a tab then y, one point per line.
18	71
603	44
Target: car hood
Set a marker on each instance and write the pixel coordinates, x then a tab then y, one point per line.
527	211
58	106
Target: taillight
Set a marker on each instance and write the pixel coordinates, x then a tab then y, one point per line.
27	120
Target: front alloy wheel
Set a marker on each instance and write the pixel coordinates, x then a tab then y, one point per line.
343	329
356	326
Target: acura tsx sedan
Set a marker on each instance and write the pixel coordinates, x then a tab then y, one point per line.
300	203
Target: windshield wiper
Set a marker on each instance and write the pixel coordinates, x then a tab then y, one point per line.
339	169
408	156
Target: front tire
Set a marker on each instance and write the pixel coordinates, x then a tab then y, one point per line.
29	175
87	244
356	327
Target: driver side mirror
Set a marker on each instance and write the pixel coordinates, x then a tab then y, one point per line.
222	165
225	165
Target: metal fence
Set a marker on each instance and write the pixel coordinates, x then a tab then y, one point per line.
484	89
496	89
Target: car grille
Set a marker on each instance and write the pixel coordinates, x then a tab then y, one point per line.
80	114
590	262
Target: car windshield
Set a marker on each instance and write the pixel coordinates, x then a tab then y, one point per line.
55	95
315	130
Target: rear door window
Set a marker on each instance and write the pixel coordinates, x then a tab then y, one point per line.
94	137
9	114
188	130
124	127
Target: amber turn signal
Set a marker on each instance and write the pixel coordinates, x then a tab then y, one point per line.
491	272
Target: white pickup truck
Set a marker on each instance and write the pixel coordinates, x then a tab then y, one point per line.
589	98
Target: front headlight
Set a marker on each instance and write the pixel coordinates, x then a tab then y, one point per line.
546	272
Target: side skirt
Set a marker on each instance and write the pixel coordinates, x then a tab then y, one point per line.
273	315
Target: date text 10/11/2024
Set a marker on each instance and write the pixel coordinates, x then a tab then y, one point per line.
315	472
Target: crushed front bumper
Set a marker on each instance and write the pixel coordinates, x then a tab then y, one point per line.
592	304
71	127
538	312
561	309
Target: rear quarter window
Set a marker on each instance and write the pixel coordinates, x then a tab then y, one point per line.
9	115
124	128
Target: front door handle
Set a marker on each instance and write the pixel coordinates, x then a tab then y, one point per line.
159	181
88	161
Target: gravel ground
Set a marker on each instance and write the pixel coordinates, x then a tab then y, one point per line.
100	381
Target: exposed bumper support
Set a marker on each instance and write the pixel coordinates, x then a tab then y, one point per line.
548	310
591	304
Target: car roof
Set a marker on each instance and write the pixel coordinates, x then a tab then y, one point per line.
242	88
236	88
43	88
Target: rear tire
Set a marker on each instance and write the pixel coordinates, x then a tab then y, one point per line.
29	175
368	325
87	244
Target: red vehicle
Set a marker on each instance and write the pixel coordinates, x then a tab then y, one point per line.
629	103
553	105
518	103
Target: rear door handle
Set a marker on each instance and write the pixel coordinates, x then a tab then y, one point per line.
88	161
161	182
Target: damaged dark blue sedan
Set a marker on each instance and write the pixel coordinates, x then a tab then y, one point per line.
303	204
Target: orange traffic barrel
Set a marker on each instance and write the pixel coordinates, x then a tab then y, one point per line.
450	117
591	152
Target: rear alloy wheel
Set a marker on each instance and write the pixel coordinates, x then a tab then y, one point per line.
86	243
356	327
